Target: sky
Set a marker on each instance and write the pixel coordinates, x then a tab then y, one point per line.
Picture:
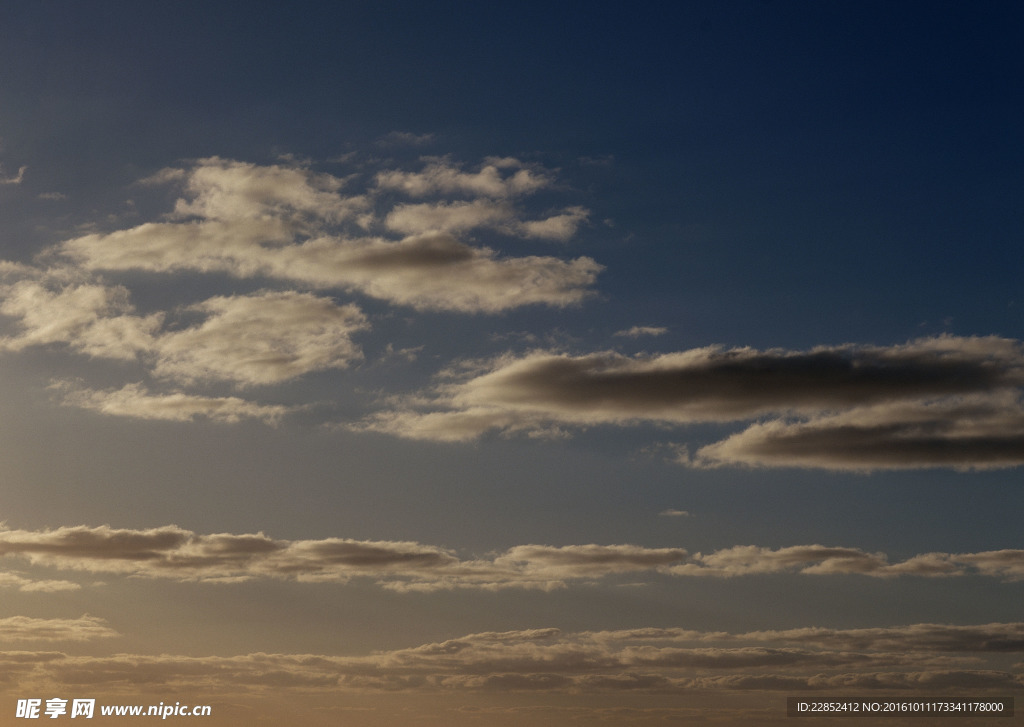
519	364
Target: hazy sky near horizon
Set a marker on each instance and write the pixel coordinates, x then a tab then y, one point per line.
510	365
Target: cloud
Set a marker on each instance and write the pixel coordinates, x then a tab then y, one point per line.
482	213
428	272
496	177
743	560
96	320
295	230
261	339
672	512
637	331
981	431
991	638
174	553
23	628
575	561
28	585
935	402
405	138
530	660
16	179
289	224
136	402
227	190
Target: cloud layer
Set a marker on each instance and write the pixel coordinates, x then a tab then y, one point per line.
174	553
546	659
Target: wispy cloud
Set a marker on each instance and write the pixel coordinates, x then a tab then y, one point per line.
16	179
638	331
136	402
496	177
24	583
23	628
405	138
483	213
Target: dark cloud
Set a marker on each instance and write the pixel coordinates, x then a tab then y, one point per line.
935	402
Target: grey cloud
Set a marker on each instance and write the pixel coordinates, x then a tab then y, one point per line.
171	552
175	553
965	432
637	331
936	402
405	138
989	638
917	680
577	560
994	638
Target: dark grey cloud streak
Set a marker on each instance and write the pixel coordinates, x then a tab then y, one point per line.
936	402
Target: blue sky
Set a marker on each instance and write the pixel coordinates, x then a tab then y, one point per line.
523	364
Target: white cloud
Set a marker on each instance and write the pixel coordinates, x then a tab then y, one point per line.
428	272
292	225
92	319
226	190
261	339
